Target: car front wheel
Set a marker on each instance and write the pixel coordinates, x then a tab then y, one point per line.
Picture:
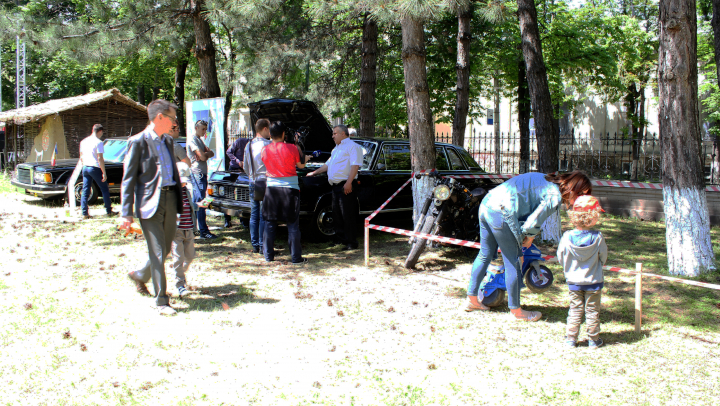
94	193
324	221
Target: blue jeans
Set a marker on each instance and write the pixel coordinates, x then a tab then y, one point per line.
90	174
257	223
494	233
293	240
201	181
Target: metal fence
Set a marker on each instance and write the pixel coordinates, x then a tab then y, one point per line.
234	134
608	156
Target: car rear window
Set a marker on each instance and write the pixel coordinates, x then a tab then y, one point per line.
469	161
455	160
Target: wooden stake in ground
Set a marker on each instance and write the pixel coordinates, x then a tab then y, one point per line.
367	245
638	297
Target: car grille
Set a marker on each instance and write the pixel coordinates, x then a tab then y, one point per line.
24	176
241	193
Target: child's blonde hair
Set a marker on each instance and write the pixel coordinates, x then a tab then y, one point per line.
583	219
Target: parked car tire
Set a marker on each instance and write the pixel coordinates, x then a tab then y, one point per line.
419	245
94	193
320	224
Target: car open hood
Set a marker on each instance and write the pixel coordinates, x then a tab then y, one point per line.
296	114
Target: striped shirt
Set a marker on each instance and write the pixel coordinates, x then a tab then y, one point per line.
186	221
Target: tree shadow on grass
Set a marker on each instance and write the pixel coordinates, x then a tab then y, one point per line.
558	314
209	299
50	203
618	337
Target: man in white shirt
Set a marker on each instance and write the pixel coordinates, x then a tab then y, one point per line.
199	154
180	153
342	169
91	157
254	166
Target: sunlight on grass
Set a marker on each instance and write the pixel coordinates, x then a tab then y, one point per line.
331	332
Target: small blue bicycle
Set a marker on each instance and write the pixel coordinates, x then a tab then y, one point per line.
536	277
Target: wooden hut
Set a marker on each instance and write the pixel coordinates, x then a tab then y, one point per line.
32	132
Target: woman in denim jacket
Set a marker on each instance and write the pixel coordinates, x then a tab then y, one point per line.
510	217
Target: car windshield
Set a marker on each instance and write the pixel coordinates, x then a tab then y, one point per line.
368	148
115	150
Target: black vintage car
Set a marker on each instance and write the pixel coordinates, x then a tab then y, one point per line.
49	182
386	166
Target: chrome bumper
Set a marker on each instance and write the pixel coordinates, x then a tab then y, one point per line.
41	190
231	207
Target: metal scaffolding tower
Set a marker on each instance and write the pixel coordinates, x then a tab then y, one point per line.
21	87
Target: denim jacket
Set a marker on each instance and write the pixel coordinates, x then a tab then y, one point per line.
523	203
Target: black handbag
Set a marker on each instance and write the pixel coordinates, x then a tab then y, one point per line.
259	184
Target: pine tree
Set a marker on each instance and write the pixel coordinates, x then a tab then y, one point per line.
687	220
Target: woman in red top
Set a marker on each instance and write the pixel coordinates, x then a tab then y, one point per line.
282	195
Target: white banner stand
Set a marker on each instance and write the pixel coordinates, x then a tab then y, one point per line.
71	187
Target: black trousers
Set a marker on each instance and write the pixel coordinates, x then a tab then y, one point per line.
345	212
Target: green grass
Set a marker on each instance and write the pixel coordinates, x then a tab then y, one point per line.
333	332
5	186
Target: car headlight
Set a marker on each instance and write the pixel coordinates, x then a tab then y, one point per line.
441	192
221	190
43	177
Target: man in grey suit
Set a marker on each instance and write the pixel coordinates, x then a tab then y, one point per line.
151	184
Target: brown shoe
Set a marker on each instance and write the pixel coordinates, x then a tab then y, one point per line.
471	307
139	286
524	315
86	217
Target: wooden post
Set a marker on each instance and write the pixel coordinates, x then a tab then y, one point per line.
367	245
638	296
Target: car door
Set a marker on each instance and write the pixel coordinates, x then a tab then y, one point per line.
366	180
392	169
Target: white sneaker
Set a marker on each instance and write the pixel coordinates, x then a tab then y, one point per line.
166	310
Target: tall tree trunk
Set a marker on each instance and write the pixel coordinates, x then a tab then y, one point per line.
716	41
204	52
462	103
228	106
179	99
686	213
551	230
523	117
368	79
496	123
417	96
546	131
141	94
231	87
631	114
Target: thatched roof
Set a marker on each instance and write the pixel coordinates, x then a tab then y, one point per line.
38	111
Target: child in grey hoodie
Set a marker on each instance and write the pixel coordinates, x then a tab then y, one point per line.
582	253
